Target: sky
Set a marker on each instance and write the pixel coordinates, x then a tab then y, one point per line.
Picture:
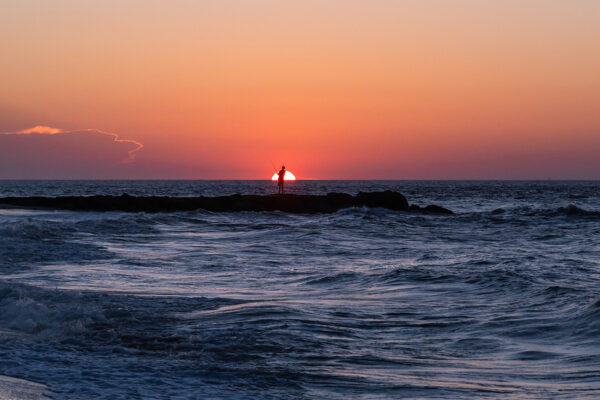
232	89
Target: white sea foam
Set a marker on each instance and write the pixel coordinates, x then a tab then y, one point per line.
21	389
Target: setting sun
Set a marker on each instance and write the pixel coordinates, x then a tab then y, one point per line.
287	177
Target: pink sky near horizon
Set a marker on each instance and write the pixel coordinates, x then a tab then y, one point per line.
426	89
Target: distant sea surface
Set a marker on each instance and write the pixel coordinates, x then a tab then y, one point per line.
500	300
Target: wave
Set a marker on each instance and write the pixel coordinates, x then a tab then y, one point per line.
569	210
46	314
91	319
335	279
586	322
572	209
522	214
17	255
417	274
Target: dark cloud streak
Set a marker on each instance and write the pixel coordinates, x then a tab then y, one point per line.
43	152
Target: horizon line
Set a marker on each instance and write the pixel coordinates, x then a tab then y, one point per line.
310	180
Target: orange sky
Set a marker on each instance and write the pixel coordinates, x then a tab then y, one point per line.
348	89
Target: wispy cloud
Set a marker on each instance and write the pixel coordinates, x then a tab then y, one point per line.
47	130
37	129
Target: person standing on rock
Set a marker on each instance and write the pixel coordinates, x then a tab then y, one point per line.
281	174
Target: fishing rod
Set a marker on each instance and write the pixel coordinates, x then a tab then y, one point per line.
273	165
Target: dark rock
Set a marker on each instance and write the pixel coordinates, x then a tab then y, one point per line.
433	209
293	203
430	209
387	199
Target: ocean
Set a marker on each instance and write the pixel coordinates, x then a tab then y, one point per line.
499	300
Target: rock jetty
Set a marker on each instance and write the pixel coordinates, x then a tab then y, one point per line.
292	203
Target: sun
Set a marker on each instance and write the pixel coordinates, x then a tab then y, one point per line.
287	177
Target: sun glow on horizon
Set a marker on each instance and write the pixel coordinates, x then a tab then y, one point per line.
287	177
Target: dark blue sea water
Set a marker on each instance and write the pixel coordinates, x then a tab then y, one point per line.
500	300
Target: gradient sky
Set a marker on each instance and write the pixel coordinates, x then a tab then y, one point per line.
424	89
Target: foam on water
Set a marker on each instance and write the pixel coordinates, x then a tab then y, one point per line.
20	389
500	300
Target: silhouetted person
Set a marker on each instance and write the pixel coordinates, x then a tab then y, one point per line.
281	174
